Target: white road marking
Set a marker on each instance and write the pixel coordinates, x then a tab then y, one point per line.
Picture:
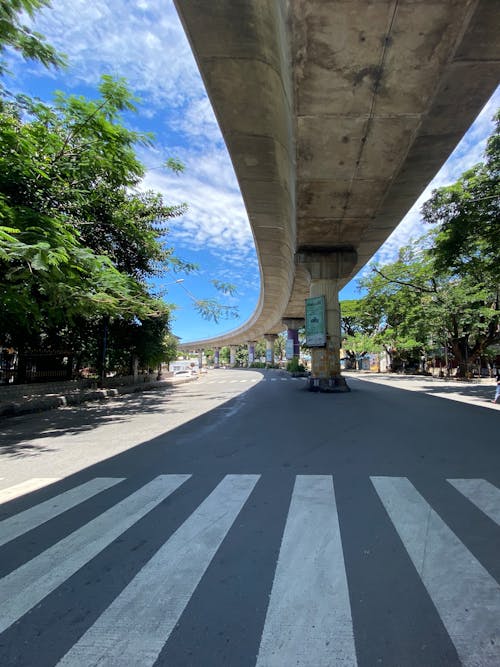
25	587
21	523
466	597
483	494
308	621
273	379
134	628
23	488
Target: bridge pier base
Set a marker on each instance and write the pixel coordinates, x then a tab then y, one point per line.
270	340
326	268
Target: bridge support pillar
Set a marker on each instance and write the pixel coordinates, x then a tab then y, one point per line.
251	352
216	357
270	340
326	268
232	356
293	324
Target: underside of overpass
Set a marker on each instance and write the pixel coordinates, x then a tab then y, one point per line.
336	114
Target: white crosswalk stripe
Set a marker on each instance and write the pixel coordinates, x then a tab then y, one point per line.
482	493
24	521
133	630
25	587
466	596
308	620
25	487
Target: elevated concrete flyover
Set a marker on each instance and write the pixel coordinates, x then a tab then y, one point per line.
336	114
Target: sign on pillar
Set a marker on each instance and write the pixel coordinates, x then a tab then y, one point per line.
316	321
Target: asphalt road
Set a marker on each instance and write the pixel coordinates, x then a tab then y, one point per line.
240	520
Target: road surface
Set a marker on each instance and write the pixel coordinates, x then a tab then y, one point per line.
240	520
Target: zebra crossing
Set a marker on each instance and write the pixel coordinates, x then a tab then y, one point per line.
308	619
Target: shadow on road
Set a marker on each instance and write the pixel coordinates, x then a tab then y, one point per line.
16	431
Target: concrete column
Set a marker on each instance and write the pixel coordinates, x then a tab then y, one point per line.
200	359
251	352
270	340
325	361
232	355
216	357
293	324
326	267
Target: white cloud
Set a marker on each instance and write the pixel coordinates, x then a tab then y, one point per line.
198	121
142	41
216	218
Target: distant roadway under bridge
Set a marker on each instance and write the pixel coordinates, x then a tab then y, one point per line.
336	115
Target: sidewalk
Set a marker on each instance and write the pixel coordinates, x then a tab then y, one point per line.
34	402
479	391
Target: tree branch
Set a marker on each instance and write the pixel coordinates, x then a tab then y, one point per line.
417	288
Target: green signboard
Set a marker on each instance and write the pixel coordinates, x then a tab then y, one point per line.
315	322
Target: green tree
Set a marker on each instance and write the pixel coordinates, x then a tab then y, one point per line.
357	329
280	347
16	35
67	172
242	356
467	214
392	308
79	241
466	242
414	308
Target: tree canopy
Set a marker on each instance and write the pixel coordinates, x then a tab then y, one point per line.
19	37
80	241
76	238
443	289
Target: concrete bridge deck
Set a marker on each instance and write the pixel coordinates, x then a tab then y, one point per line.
336	116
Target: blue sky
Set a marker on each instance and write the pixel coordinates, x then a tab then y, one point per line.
143	41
